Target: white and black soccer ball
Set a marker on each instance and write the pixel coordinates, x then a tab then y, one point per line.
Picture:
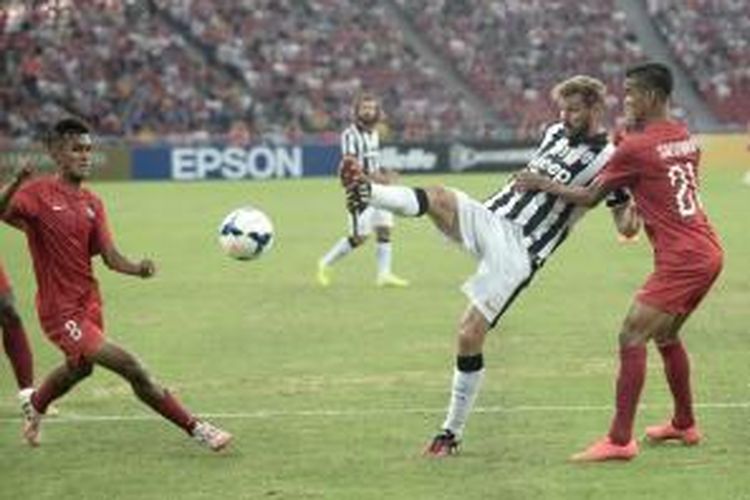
246	234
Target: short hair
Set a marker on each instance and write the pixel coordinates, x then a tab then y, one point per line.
65	128
653	76
589	88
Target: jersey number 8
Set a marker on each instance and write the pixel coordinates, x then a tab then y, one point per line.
74	331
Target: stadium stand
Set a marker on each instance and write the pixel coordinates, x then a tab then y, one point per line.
286	71
129	73
710	39
304	61
513	52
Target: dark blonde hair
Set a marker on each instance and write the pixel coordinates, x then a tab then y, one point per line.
591	89
362	97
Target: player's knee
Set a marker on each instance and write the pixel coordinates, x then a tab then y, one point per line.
356	241
82	370
383	235
439	198
442	209
630	338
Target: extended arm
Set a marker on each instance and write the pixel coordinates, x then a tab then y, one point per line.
587	196
117	262
7	193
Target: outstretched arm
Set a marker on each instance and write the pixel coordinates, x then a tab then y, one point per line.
587	196
117	262
7	193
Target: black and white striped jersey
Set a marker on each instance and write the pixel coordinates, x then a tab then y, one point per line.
546	219
362	144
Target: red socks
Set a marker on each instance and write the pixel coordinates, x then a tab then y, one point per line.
44	395
172	410
629	385
17	348
677	371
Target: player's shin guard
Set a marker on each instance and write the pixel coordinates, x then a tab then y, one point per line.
629	385
677	371
467	378
401	200
16	345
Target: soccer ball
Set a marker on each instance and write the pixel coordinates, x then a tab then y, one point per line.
246	234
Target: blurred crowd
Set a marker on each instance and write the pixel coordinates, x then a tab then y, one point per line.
306	60
711	38
287	70
514	52
124	70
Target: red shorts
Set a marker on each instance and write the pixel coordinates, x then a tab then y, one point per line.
4	281
78	334
680	290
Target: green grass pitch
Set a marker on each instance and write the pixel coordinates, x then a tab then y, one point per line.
332	393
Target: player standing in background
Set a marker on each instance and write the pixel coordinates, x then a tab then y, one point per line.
658	162
511	234
361	142
66	225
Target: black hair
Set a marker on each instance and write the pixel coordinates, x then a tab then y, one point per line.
69	126
653	76
64	128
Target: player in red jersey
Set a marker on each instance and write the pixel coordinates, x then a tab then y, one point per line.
66	225
658	162
15	341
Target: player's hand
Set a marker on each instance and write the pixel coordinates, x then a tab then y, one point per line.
349	171
526	180
146	268
24	173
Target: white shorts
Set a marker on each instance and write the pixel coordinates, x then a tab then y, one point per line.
505	267
362	224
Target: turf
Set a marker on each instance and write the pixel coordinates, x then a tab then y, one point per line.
331	393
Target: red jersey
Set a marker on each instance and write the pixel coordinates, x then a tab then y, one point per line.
65	227
659	165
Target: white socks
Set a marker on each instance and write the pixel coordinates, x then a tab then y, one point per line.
383	254
397	199
339	250
463	394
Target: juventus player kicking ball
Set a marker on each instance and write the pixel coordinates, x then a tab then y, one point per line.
66	225
658	162
511	234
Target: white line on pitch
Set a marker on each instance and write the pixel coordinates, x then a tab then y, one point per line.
70	417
